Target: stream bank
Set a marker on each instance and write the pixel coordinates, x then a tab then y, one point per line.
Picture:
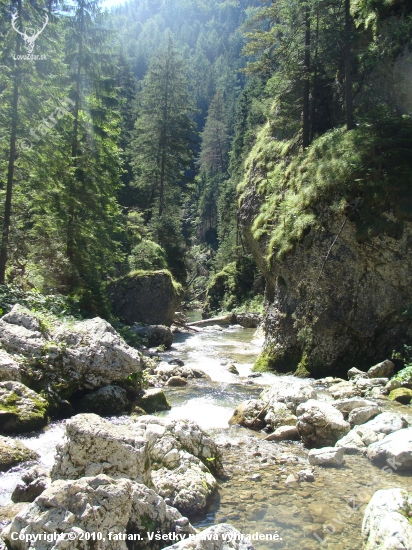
253	495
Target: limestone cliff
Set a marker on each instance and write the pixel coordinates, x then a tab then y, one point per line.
336	297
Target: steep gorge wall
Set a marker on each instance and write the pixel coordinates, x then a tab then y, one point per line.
323	317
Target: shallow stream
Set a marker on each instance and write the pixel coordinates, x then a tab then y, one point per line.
253	496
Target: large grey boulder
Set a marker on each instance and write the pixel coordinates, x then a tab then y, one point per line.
9	368
184	459
320	424
218	537
248	320
107	401
21	409
363	414
385	523
151	298
382	370
394	449
98	504
92	354
95	446
13	452
346	406
343	390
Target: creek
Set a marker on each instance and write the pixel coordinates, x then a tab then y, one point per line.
253	496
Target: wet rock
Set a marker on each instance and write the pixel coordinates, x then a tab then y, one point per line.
107	401
176	381
284	433
382	370
256	477
151	298
327	456
352	443
386	423
7	513
306	475
291	481
164	371
21	409
320	424
33	483
155	335
278	415
344	390
96	504
224	537
402	395
385	523
153	400
363	414
248	320
177	362
13	452
255	375
9	368
353	373
95	446
250	414
233	369
395	449
328	381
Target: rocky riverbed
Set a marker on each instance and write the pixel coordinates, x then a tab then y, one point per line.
213	472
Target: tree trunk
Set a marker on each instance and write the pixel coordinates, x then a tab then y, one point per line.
348	74
12	159
306	85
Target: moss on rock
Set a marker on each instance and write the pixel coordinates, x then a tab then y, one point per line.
13	452
402	395
153	400
21	409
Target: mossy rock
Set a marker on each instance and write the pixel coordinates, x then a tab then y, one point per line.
153	400
21	409
402	395
13	452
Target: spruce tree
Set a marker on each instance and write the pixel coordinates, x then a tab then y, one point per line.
161	150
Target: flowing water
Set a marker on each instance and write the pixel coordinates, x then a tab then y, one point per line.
253	495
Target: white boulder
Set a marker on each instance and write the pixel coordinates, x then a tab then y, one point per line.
320	424
327	456
395	450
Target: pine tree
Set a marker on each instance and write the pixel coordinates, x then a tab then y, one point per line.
215	139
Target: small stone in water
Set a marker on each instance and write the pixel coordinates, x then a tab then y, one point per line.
291	480
256	477
306	475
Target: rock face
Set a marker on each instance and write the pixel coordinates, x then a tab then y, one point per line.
33	483
96	504
95	446
218	537
355	312
150	298
175	457
320	424
385	524
21	409
395	448
13	452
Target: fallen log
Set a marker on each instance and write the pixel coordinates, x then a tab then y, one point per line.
226	320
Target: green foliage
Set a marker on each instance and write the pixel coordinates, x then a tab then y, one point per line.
55	304
363	174
232	286
405	375
147	255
